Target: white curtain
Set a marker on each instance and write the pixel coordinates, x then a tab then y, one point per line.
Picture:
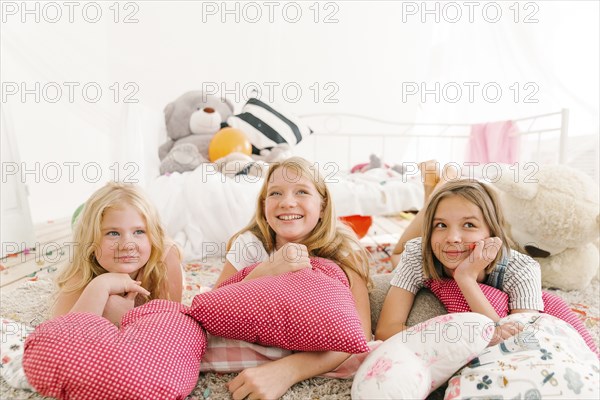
369	54
558	56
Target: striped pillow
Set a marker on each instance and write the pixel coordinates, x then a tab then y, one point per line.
266	127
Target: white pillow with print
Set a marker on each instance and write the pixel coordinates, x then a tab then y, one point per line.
391	372
418	360
11	347
547	360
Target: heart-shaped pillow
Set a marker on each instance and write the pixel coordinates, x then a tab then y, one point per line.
154	355
307	310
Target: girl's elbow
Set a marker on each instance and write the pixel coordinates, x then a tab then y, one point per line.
382	332
395	259
176	294
385	331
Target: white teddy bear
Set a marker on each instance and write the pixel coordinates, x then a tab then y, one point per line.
553	215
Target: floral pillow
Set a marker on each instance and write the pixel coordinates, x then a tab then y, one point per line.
547	360
416	361
11	347
393	372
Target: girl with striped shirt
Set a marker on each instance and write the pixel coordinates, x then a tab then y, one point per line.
463	238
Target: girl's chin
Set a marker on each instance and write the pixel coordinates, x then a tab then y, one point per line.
449	271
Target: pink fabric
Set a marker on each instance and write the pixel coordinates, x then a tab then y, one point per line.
230	355
448	292
493	142
359	167
308	310
555	306
154	355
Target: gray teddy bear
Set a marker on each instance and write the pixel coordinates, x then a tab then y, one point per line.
191	121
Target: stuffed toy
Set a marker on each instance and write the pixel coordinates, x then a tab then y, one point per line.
237	164
191	121
276	153
376	162
554	217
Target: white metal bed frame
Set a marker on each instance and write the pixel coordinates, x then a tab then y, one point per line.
328	125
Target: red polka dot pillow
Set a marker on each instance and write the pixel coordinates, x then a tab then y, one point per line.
154	355
308	310
449	293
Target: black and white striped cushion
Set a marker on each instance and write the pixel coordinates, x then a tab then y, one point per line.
266	127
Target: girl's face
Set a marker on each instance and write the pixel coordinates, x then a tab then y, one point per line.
457	223
124	244
292	206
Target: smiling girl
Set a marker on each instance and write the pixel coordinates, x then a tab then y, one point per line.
295	220
121	259
464	239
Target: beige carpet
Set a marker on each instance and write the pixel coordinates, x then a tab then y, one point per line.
30	303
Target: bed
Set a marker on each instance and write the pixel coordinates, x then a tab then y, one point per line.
202	209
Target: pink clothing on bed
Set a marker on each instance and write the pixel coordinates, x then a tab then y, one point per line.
493	142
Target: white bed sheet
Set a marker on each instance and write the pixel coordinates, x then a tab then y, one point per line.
202	209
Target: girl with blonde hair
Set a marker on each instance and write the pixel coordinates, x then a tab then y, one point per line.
295	220
122	257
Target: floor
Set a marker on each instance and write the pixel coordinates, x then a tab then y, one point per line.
54	247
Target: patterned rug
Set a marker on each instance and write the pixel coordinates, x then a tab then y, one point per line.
30	302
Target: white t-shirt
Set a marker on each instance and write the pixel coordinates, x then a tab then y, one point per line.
246	250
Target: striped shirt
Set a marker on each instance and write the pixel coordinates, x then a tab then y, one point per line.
518	276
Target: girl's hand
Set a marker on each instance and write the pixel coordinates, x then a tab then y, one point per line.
290	257
505	331
482	254
116	283
97	295
269	381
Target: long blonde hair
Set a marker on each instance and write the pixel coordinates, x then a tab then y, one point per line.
329	239
481	196
87	236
